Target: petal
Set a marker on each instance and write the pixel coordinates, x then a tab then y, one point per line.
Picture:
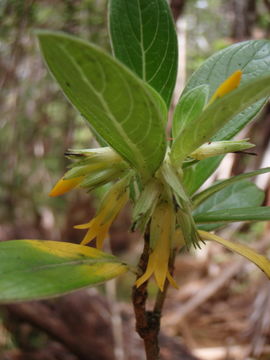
63	186
101	236
149	271
172	281
231	83
90	235
85	226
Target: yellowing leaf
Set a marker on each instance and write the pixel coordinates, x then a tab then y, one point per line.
261	261
35	269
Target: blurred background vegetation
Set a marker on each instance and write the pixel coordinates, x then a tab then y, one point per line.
37	125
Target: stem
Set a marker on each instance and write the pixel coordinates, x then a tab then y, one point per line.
148	322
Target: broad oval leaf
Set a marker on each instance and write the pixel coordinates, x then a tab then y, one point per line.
203	128
143	37
35	269
253	58
111	98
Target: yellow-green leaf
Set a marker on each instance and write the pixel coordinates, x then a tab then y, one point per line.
36	269
261	261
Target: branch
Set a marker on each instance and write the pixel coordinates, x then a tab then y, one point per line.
147	322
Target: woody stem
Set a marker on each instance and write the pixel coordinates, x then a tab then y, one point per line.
148	322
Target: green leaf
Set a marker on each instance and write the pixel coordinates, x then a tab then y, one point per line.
144	38
230	215
194	176
239	194
202	129
203	195
253	58
189	108
215	148
111	98
34	269
261	261
172	178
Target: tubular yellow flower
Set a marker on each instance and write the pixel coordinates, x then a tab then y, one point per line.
231	83
112	203
63	186
161	232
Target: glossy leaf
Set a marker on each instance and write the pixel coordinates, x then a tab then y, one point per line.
112	99
212	119
240	194
253	58
34	269
261	261
143	37
231	215
189	108
211	190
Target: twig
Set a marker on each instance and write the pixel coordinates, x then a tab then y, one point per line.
147	322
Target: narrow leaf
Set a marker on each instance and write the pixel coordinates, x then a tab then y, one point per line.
220	148
261	261
231	215
253	59
144	38
216	115
189	108
203	195
239	194
34	269
172	178
112	99
195	175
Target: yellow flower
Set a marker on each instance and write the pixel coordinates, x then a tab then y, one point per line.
231	83
161	233
63	185
113	201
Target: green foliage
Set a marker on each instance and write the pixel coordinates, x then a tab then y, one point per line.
90	76
34	269
189	107
237	195
215	116
144	39
123	101
203	195
252	57
230	215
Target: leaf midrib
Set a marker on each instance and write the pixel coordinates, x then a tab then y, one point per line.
63	264
130	144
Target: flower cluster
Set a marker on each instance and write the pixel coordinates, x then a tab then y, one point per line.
161	205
